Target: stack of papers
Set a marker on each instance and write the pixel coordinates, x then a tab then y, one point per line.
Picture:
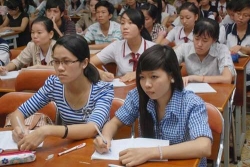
10	75
120	145
200	88
7	143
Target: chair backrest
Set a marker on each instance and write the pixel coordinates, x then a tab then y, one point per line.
125	131
32	80
14	53
11	101
216	123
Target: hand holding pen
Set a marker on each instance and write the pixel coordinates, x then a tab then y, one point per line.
101	144
106	75
19	132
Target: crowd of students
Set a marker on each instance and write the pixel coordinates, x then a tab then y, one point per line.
205	34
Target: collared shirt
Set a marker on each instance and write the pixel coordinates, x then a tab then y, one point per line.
156	29
213	64
177	35
233	40
95	110
185	117
119	53
94	33
31	54
170	9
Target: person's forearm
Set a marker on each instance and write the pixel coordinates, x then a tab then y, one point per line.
10	67
245	50
211	79
87	131
13	119
58	31
198	148
98	46
111	128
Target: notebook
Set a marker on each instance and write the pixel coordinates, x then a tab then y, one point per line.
122	144
9	75
200	88
117	83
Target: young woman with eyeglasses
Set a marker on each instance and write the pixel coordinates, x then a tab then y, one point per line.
82	101
38	51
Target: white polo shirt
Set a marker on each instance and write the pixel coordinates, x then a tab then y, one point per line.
177	35
119	53
233	40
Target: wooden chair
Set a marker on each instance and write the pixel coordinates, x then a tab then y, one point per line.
125	131
32	80
14	53
216	123
11	101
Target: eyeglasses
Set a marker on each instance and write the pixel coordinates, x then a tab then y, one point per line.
63	62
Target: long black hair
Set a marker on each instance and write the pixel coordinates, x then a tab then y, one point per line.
155	57
137	18
78	46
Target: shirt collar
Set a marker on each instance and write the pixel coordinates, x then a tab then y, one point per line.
99	31
127	50
182	34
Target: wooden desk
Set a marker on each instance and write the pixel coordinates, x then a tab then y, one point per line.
11	36
7	85
54	145
220	99
240	104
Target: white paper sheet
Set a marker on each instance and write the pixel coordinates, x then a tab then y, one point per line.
10	75
119	145
200	88
117	83
6	141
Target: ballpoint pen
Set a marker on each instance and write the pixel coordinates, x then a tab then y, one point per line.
73	148
103	67
100	134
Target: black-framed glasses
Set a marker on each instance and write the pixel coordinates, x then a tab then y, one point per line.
63	62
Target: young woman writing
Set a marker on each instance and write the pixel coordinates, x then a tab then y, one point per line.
83	101
165	111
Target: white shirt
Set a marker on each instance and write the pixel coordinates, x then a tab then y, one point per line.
170	9
177	35
119	53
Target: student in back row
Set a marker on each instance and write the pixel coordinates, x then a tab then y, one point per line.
38	51
125	53
165	110
205	59
104	31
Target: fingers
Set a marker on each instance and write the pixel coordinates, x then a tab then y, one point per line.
3	71
100	146
108	77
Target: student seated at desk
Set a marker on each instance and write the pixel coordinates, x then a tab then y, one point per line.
125	53
55	12
165	110
83	101
17	20
205	59
104	31
38	51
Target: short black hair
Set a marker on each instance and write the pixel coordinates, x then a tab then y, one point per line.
206	26
240	5
14	4
54	4
48	24
107	5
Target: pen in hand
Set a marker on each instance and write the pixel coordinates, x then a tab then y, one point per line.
100	134
19	124
103	67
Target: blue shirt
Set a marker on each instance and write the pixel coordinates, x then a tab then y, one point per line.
185	118
96	109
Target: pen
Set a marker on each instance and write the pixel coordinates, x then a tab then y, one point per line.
113	165
19	123
100	134
103	67
73	148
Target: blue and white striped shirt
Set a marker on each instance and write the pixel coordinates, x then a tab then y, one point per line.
185	118
96	110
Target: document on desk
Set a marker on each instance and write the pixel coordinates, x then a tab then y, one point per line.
10	75
200	88
6	141
117	83
122	144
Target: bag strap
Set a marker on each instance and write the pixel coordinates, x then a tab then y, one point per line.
35	120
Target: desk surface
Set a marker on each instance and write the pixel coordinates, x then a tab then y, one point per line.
7	85
242	63
54	145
